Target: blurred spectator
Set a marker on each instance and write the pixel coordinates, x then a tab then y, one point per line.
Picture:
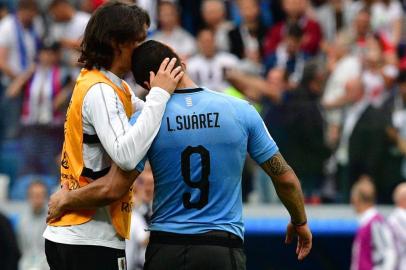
295	14
3	11
10	253
214	17
143	195
151	7
305	127
391	108
20	34
342	66
20	40
170	31
30	228
397	122
289	55
373	246
359	32
361	129
209	66
397	221
333	17
372	76
68	28
45	88
246	39
386	21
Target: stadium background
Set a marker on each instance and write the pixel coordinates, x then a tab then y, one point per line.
304	64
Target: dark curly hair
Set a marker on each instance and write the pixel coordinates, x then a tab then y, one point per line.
114	22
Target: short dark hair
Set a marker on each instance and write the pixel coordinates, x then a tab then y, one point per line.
205	29
148	57
112	22
55	3
27	5
311	71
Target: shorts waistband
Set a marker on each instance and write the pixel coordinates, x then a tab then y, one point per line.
212	238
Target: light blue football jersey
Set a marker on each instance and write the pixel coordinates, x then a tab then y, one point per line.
197	160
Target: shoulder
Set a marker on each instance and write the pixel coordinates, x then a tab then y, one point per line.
7	23
195	60
182	32
82	17
223	99
226	56
99	92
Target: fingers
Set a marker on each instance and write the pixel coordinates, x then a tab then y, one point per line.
290	233
179	76
306	246
299	246
171	65
164	64
50	216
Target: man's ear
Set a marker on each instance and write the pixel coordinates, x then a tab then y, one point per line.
183	64
116	46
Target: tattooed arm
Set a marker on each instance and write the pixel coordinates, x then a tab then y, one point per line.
288	188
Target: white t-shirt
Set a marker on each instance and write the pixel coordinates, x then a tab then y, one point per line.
209	72
9	40
347	68
179	40
74	29
104	115
374	87
384	16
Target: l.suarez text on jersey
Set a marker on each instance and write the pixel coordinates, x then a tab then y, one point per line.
193	121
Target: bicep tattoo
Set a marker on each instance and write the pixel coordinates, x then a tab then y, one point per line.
276	165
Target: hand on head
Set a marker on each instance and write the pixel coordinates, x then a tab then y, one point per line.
167	77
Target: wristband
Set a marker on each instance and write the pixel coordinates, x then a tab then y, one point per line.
298	224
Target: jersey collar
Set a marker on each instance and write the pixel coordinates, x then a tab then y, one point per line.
188	90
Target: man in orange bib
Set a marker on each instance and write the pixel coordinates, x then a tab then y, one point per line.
97	133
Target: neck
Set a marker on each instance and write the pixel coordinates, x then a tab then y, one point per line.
363	208
118	69
168	29
21	21
37	211
186	83
252	26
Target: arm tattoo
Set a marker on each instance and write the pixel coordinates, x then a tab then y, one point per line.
276	165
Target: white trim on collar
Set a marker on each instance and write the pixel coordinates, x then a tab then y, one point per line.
113	77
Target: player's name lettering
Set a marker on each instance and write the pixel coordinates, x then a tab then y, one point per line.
194	121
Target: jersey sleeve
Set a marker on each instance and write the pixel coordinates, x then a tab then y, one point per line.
261	145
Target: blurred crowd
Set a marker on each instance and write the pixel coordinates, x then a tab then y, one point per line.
328	77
